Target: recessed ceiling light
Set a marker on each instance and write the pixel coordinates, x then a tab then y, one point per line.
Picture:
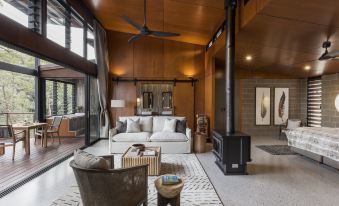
307	67
248	58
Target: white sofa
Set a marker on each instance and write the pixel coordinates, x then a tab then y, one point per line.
151	135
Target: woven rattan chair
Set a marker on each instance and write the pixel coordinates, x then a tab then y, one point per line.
125	186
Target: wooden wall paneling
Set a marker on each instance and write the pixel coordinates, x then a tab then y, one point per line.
120	54
149	57
183	98
128	92
179	60
209	88
262	4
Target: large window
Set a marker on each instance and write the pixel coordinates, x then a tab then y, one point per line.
314	90
90	45
60	98
56	21
14	57
16	10
77	36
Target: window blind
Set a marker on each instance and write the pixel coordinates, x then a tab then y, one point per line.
314	93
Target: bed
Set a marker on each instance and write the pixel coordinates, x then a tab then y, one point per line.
318	143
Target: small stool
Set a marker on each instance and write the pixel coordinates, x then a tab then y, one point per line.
168	194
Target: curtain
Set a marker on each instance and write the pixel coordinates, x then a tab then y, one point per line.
101	52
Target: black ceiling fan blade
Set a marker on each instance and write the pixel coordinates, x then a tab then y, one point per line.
131	22
134	38
164	34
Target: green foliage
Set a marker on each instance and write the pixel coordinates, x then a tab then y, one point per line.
17	58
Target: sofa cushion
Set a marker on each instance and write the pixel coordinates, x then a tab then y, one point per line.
168	137
293	124
89	161
121	126
159	121
133	126
181	126
169	125
146	123
132	137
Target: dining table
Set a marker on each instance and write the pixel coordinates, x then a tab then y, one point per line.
27	127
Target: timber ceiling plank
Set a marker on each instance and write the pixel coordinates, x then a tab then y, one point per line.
196	21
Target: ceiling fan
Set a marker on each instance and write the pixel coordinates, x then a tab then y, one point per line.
144	30
333	55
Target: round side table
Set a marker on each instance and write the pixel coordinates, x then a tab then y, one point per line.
200	142
168	194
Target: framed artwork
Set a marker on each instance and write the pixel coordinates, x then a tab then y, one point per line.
262	106
281	105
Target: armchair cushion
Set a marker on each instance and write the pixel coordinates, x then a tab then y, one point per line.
89	161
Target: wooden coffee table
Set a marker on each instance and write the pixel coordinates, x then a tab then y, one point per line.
154	162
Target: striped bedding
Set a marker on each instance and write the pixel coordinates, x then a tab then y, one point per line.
319	140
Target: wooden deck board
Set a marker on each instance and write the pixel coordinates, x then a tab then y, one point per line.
25	166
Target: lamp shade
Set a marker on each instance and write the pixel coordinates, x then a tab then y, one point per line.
115	103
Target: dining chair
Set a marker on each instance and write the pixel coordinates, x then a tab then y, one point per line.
52	129
10	138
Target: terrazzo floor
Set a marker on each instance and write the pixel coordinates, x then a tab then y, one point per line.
272	181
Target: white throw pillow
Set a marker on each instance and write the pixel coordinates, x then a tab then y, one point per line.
293	124
170	125
133	125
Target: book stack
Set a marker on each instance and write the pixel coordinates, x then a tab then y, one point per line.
149	153
170	179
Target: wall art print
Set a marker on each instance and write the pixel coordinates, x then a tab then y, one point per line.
263	106
281	105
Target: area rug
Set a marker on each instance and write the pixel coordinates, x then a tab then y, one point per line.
277	149
198	190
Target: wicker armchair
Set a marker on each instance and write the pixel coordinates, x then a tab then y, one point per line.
125	186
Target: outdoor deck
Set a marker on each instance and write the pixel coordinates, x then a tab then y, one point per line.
25	167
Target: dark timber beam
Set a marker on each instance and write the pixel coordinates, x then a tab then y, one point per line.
230	9
37	45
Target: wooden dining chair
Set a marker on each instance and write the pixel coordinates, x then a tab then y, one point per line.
9	138
52	129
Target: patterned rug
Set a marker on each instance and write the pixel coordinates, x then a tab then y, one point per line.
198	190
277	149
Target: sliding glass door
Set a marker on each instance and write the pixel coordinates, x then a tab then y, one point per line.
92	110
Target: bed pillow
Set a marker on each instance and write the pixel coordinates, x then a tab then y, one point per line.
181	126
293	124
170	125
133	126
121	126
89	161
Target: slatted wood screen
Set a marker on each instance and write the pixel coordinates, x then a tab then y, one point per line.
314	102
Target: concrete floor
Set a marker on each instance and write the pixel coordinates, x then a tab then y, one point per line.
273	181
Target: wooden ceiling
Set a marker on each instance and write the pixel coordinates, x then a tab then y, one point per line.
287	35
195	20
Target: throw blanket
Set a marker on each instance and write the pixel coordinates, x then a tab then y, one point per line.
319	140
